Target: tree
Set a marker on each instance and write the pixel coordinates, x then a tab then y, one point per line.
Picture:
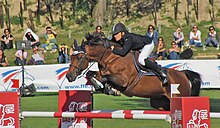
1	15
99	12
127	7
25	4
176	9
211	11
154	12
8	21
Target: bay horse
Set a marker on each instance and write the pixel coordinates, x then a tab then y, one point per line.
122	75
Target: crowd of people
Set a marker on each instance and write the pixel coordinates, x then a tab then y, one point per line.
37	57
178	43
161	52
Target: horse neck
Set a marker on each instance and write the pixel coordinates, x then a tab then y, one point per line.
103	56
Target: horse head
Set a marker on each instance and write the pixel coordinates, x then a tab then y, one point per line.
95	48
79	62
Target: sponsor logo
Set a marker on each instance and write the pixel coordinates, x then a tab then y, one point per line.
14	74
198	118
6	119
177	118
61	75
178	66
7	75
42	88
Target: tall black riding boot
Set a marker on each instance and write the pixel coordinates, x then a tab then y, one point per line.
157	69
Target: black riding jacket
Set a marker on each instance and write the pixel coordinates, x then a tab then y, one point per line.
131	41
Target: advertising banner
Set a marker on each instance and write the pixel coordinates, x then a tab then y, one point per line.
51	78
46	78
208	69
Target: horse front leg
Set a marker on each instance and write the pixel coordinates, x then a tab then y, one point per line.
95	80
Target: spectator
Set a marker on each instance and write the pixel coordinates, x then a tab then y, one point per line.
161	49
179	38
174	51
98	32
18	59
195	37
212	38
51	41
151	32
6	40
31	36
63	54
3	59
37	58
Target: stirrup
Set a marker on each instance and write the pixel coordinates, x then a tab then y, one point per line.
163	72
164	81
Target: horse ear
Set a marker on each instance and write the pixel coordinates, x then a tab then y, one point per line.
75	44
83	45
88	36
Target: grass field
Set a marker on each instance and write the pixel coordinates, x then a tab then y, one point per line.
48	102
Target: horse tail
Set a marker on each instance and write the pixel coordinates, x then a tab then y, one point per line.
195	80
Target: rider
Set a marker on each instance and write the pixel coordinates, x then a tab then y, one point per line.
131	41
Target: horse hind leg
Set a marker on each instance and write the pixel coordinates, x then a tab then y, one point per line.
160	102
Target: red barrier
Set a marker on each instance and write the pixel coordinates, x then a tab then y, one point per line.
9	110
74	101
190	112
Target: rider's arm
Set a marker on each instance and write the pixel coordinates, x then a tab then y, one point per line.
125	48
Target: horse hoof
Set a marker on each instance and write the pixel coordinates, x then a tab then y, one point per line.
117	93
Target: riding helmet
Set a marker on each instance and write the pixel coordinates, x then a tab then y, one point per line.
119	27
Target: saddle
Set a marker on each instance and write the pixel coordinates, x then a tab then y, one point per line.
141	69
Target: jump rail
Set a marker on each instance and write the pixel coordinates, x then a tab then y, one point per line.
133	111
107	115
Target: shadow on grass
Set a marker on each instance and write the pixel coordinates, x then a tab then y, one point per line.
143	103
215	105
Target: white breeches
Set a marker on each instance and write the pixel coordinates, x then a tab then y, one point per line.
145	52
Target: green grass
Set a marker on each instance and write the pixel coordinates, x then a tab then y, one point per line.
48	102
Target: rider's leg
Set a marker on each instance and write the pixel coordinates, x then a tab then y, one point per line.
158	69
145	52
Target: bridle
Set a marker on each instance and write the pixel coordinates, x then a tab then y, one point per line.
81	63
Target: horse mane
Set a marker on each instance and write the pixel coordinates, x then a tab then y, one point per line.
97	40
